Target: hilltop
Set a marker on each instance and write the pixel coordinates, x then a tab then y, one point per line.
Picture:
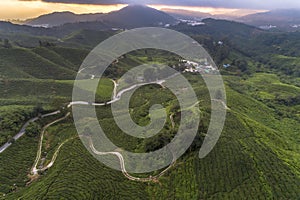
282	19
60	18
130	16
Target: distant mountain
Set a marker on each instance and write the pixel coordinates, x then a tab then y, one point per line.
196	15
220	29
186	14
288	19
137	16
60	18
9	28
59	25
57	31
129	17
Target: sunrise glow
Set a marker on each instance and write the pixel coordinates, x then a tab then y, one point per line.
210	10
14	9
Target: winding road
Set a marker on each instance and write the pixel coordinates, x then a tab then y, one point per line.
23	130
123	169
34	169
56	154
116	97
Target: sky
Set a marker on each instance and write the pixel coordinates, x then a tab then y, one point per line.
23	9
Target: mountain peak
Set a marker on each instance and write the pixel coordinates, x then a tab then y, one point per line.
137	5
138	16
131	16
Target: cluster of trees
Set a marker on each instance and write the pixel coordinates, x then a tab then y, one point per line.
290	101
37	110
241	64
219	50
33	129
11	121
158	141
46	44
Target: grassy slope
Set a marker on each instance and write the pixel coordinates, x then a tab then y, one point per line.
248	161
45	91
30	64
87	38
15	164
256	157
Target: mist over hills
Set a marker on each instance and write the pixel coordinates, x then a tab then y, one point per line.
283	19
181	13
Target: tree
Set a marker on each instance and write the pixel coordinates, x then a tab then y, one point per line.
10	139
55	103
33	129
37	110
46	44
242	65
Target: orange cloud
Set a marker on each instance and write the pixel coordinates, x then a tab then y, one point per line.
24	9
211	10
14	9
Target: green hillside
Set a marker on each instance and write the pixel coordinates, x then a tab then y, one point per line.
29	64
87	38
256	157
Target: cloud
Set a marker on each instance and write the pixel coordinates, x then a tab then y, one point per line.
97	2
247	4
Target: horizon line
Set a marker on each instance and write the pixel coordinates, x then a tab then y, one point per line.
92	9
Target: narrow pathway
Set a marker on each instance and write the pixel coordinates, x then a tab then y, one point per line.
222	102
34	169
56	154
123	169
117	96
172	120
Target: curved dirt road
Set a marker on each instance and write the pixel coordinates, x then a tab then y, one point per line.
22	131
34	169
